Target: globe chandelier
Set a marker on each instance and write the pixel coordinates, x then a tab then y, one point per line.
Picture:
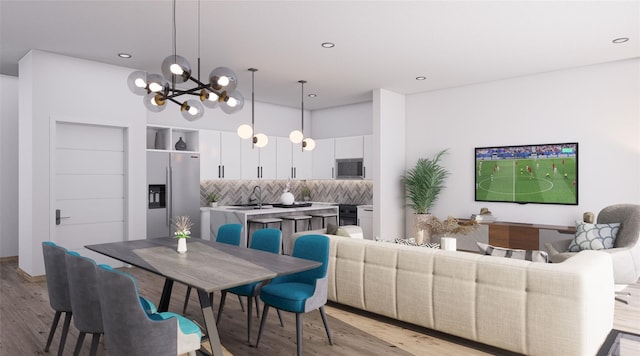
297	136
157	90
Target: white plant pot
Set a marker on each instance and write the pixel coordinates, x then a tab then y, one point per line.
448	243
182	245
213	204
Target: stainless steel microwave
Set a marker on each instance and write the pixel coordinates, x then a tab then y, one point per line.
349	168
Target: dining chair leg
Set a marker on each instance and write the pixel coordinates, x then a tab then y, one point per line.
249	316
94	344
265	311
241	303
186	301
65	332
257	307
79	343
299	326
326	324
223	298
54	325
280	317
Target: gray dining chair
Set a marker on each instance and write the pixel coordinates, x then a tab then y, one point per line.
85	301
269	240
58	288
130	331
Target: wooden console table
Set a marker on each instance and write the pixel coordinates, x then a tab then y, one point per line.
520	235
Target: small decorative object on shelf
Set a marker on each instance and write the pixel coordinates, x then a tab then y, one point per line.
287	197
181	145
183	226
306	193
158	143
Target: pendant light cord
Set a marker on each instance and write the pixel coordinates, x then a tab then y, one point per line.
198	40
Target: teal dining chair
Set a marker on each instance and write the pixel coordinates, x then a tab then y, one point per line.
300	292
130	330
230	234
268	240
55	267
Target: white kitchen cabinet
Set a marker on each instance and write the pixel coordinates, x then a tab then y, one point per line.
365	220
367	157
220	155
258	163
349	147
323	165
292	162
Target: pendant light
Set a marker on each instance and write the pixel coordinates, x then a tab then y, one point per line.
245	131
297	136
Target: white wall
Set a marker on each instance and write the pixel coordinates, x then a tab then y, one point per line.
9	166
272	120
389	135
54	86
597	106
343	121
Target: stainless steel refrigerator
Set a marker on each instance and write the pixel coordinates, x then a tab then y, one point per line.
173	182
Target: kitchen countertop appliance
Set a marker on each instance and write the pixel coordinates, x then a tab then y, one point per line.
347	214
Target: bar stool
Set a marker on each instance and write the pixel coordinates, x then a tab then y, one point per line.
325	216
264	222
296	218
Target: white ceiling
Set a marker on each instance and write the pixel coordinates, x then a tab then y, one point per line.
380	44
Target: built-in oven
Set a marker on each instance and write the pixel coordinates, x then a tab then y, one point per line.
347	214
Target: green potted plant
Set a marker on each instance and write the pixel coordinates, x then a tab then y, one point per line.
423	183
306	193
213	199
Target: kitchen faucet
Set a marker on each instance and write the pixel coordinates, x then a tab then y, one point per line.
256	196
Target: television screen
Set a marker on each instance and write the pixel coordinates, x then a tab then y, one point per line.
545	174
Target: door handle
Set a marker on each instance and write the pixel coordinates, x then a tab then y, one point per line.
58	217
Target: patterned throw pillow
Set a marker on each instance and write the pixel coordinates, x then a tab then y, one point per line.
594	236
527	255
412	242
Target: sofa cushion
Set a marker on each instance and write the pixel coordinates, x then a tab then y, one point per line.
528	255
594	236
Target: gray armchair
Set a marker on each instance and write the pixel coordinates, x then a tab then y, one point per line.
626	251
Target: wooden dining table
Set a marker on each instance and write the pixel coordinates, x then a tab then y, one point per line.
207	266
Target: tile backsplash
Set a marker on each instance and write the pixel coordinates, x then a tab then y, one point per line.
231	192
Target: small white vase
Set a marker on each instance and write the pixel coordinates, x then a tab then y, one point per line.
448	243
287	198
182	245
213	204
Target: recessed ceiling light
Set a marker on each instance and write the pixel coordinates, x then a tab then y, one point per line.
124	55
621	40
328	45
312	95
421	78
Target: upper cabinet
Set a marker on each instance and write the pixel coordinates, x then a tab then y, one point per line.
258	163
219	155
349	147
323	165
292	161
367	166
165	138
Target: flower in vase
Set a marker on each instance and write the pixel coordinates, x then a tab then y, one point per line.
183	226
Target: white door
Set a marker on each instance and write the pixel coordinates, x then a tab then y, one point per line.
89	186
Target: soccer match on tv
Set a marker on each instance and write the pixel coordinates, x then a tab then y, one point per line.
546	174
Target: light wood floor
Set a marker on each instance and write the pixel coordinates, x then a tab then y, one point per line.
25	318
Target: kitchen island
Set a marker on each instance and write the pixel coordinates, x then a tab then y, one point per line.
239	215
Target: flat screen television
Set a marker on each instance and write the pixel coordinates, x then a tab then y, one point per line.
543	174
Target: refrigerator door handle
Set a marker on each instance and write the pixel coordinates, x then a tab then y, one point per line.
169	195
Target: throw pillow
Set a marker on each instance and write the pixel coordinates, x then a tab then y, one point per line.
527	255
412	242
332	229
594	236
342	232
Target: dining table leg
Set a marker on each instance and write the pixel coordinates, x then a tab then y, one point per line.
165	298
210	322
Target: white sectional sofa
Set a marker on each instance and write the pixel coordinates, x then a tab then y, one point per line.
525	307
